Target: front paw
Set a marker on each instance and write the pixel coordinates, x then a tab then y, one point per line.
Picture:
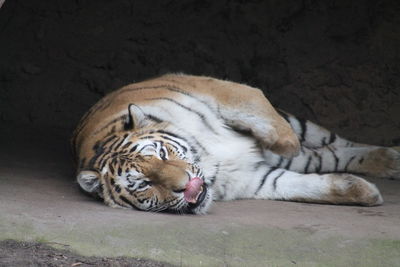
279	138
287	146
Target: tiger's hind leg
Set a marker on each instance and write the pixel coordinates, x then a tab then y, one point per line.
323	151
280	184
312	135
372	161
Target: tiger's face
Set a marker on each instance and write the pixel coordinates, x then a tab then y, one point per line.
150	172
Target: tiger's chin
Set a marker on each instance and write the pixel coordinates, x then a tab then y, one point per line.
203	203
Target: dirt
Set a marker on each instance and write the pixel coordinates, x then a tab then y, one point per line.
14	253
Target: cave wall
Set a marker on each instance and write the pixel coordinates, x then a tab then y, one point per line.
333	62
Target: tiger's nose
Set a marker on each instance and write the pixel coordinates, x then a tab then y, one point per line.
171	174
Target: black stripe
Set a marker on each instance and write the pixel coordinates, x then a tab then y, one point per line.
259	164
335	157
98	155
154	118
332	138
308	164
200	115
348	163
111	196
284	115
172	140
172	89
119	171
112	169
117	188
103	162
194	151
111	147
171	134
124	199
279	162
213	178
175	147
104	155
323	141
133	148
147	137
303	126
264	179
276	179
144	147
126	145
120	143
319	166
109	123
288	164
129	122
108	140
175	142
141	201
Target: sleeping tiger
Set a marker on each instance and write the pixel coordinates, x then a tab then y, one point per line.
178	142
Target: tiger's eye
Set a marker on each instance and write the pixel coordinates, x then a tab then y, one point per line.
144	184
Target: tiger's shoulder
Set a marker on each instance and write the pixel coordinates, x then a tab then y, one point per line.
110	114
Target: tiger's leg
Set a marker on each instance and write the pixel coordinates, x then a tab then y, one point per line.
280	184
249	110
372	161
314	136
243	108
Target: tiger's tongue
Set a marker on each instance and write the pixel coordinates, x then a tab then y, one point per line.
193	189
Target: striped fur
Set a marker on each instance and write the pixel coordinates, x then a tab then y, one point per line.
140	146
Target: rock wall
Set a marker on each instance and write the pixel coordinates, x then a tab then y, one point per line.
333	62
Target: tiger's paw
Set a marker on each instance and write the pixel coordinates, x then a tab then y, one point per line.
383	163
350	189
280	140
286	147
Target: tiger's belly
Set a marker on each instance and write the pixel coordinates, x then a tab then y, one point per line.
234	158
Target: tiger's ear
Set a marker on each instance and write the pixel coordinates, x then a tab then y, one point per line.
89	181
136	117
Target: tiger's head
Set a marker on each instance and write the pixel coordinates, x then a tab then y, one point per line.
152	170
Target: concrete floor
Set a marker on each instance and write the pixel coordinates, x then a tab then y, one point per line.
39	201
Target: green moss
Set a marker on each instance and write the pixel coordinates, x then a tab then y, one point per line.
232	245
40	239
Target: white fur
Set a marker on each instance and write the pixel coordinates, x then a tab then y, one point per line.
236	154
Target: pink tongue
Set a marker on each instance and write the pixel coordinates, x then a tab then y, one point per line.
193	188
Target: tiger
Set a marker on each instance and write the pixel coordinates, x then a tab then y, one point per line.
178	142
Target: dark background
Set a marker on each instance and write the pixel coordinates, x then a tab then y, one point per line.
333	62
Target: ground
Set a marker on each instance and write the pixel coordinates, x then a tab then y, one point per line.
13	253
40	202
